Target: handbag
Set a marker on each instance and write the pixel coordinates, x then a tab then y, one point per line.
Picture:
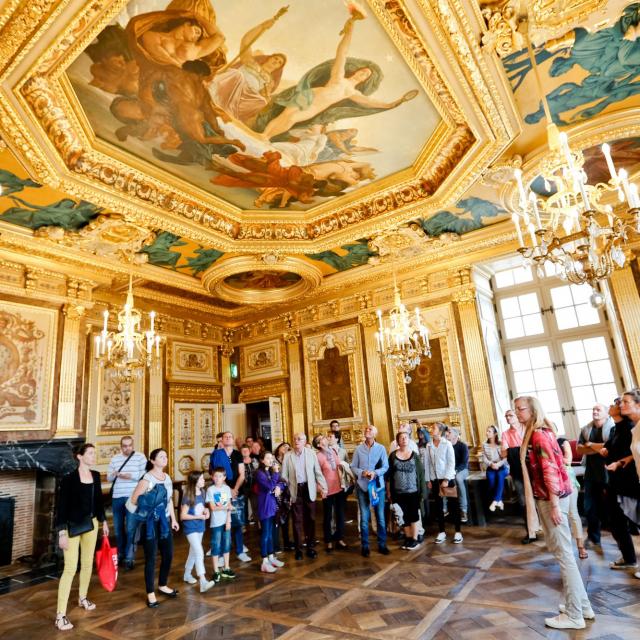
107	564
448	492
85	525
113	484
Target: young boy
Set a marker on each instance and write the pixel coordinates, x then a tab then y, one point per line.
218	500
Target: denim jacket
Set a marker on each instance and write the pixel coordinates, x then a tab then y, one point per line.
151	509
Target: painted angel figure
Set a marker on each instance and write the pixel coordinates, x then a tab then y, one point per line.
330	91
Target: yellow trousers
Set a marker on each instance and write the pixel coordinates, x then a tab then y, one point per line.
84	544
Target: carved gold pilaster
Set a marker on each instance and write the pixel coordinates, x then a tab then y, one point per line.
626	295
225	363
66	424
155	408
483	408
295	382
379	412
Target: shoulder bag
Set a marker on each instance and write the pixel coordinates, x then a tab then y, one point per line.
113	484
444	492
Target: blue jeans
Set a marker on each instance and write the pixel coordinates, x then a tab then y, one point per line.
123	540
496	479
461	476
266	536
220	541
363	504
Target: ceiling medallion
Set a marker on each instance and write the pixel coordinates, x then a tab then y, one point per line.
261	279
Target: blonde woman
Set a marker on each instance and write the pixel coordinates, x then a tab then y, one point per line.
547	488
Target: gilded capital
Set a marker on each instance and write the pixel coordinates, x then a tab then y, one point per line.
367	319
226	349
464	295
291	337
74	311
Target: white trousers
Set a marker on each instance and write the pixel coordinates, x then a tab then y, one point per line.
559	542
196	554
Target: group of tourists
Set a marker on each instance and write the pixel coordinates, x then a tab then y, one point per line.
280	489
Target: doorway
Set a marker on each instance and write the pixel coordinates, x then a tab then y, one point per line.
259	422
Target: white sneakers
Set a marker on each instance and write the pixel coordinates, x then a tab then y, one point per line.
244	557
457	539
275	562
189	579
267	567
500	505
563	621
205	585
637	575
493	505
440	538
587	612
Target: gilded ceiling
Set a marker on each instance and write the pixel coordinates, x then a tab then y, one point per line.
247	153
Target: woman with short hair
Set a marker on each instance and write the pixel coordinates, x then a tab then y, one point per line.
80	509
405	478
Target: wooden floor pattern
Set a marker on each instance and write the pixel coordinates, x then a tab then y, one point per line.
488	588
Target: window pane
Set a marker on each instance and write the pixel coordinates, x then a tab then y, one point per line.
565	318
524	380
513	328
584	417
510	307
560	297
587	315
584	397
549	400
520	359
529	303
601	371
573	351
606	393
579	374
557	419
504	279
533	324
550	269
581	293
522	274
596	348
544	378
540	357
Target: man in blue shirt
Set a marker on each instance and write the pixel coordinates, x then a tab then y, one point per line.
370	463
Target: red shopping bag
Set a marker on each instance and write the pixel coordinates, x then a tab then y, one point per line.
107	564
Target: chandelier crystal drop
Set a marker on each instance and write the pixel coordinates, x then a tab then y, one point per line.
564	220
127	353
402	338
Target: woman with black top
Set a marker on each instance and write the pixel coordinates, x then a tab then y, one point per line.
80	509
406	483
158	515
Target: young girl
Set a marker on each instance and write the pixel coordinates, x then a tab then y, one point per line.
219	501
269	489
194	514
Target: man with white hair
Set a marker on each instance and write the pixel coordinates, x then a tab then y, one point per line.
591	440
369	465
301	469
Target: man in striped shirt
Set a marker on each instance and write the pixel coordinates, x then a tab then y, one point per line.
125	469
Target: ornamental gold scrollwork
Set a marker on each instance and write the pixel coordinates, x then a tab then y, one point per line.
502	34
367	319
465	295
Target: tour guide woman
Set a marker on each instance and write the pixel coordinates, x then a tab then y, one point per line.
546	480
80	509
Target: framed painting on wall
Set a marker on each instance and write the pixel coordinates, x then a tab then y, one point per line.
191	362
27	359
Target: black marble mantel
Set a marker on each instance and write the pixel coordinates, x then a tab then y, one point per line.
52	456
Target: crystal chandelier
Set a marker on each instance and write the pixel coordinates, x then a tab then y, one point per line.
574	225
402	338
127	353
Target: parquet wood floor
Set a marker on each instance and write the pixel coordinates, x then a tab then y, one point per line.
488	588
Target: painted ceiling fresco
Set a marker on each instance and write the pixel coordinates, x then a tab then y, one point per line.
229	96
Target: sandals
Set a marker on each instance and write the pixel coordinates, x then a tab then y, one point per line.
62	623
582	553
86	604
